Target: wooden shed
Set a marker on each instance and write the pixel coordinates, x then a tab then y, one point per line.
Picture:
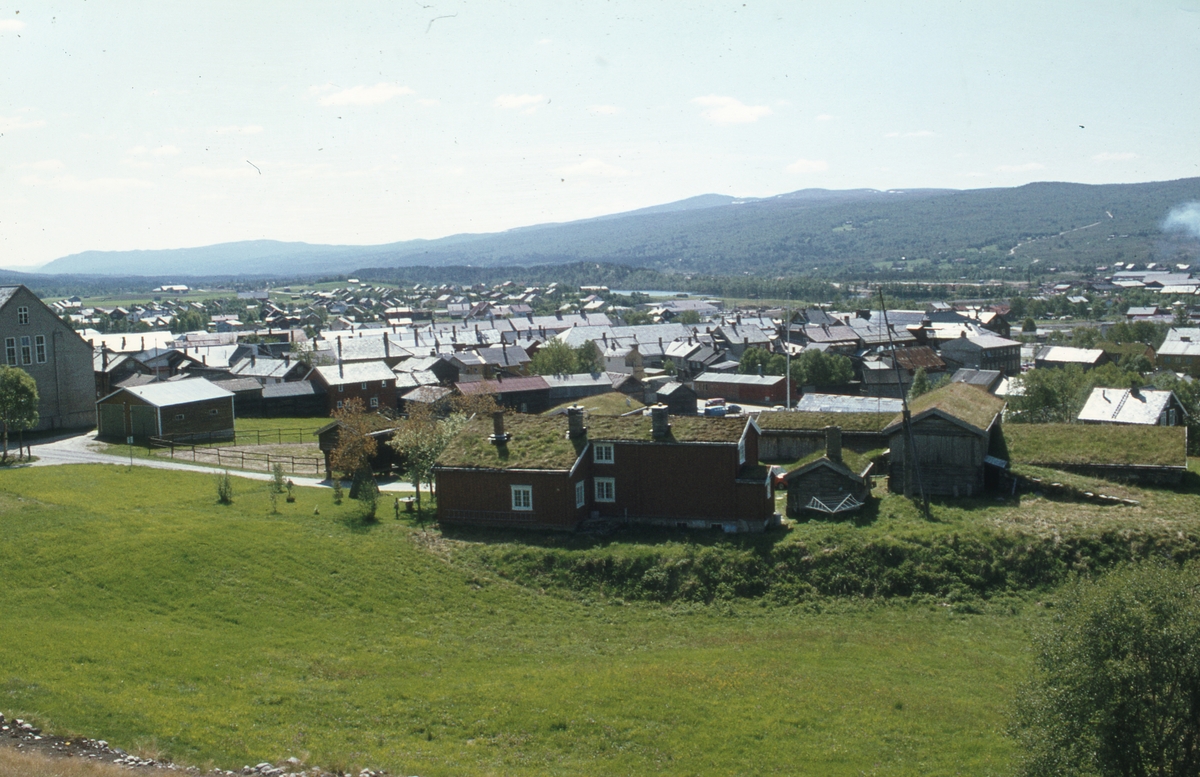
954	428
180	410
829	482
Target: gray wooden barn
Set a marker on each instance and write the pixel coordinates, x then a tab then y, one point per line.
954	428
830	484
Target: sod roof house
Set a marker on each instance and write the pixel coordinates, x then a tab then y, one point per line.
829	482
788	435
548	472
954	428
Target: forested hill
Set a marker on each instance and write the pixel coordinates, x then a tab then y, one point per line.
808	230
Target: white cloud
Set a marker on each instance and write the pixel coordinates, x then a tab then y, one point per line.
223	173
233	129
45	164
1025	168
12	25
365	95
604	110
70	183
728	110
824	117
515	102
9	123
1114	156
808	166
594	168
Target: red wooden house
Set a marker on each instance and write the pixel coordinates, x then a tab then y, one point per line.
542	472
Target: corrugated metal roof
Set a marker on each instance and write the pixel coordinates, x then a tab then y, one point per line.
296	388
730	379
359	372
839	403
178	392
1062	354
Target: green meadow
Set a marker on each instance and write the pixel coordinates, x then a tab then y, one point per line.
138	610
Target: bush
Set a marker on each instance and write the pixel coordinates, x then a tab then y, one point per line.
225	488
337	490
1116	684
277	481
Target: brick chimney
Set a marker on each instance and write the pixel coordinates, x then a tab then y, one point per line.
499	436
575	425
660	425
833	443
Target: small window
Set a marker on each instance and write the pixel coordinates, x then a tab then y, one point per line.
374	401
214	411
26	351
384	383
39	347
364	387
339	405
742	451
603	453
22	315
179	416
522	498
341	387
580	494
606	490
10	350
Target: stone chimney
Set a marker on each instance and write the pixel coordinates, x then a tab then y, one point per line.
387	347
499	436
833	443
339	341
575	426
660	426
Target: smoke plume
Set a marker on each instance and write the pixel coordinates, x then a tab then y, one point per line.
1184	218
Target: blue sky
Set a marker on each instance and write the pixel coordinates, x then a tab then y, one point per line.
157	125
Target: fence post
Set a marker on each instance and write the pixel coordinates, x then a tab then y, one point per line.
280	435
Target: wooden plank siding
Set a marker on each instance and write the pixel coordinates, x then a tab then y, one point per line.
484	498
950	458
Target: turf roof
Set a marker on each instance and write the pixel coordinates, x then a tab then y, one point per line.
1099	444
773	420
963	401
855	462
540	442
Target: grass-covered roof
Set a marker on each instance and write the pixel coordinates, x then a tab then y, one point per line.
540	442
855	462
963	401
1100	444
780	420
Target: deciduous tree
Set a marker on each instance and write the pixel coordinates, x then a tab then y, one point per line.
18	402
355	446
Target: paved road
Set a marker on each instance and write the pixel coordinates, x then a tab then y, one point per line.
80	449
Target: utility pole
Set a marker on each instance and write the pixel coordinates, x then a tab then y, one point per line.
910	449
787	349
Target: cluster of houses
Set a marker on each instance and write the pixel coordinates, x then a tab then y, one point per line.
558	471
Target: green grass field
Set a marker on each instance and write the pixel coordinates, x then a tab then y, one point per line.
138	610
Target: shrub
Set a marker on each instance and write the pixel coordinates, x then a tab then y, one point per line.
225	488
277	483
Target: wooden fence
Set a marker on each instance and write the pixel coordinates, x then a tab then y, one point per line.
238	459
246	437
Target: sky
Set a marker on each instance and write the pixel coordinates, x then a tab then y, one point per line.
127	125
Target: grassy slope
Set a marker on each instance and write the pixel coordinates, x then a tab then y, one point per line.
139	611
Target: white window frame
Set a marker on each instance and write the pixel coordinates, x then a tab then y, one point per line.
606	489
364	387
179	416
603	453
10	350
374	401
23	316
522	498
339	404
39	349
580	494
26	350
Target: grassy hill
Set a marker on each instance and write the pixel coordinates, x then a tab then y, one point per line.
138	610
940	233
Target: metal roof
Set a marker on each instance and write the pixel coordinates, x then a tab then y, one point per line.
1062	354
847	403
1124	406
178	392
506	386
358	372
727	378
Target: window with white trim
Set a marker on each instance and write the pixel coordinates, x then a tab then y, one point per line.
580	494
179	416
39	348
26	350
10	350
602	453
339	405
606	490
23	315
341	387
374	401
364	387
742	450
522	498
